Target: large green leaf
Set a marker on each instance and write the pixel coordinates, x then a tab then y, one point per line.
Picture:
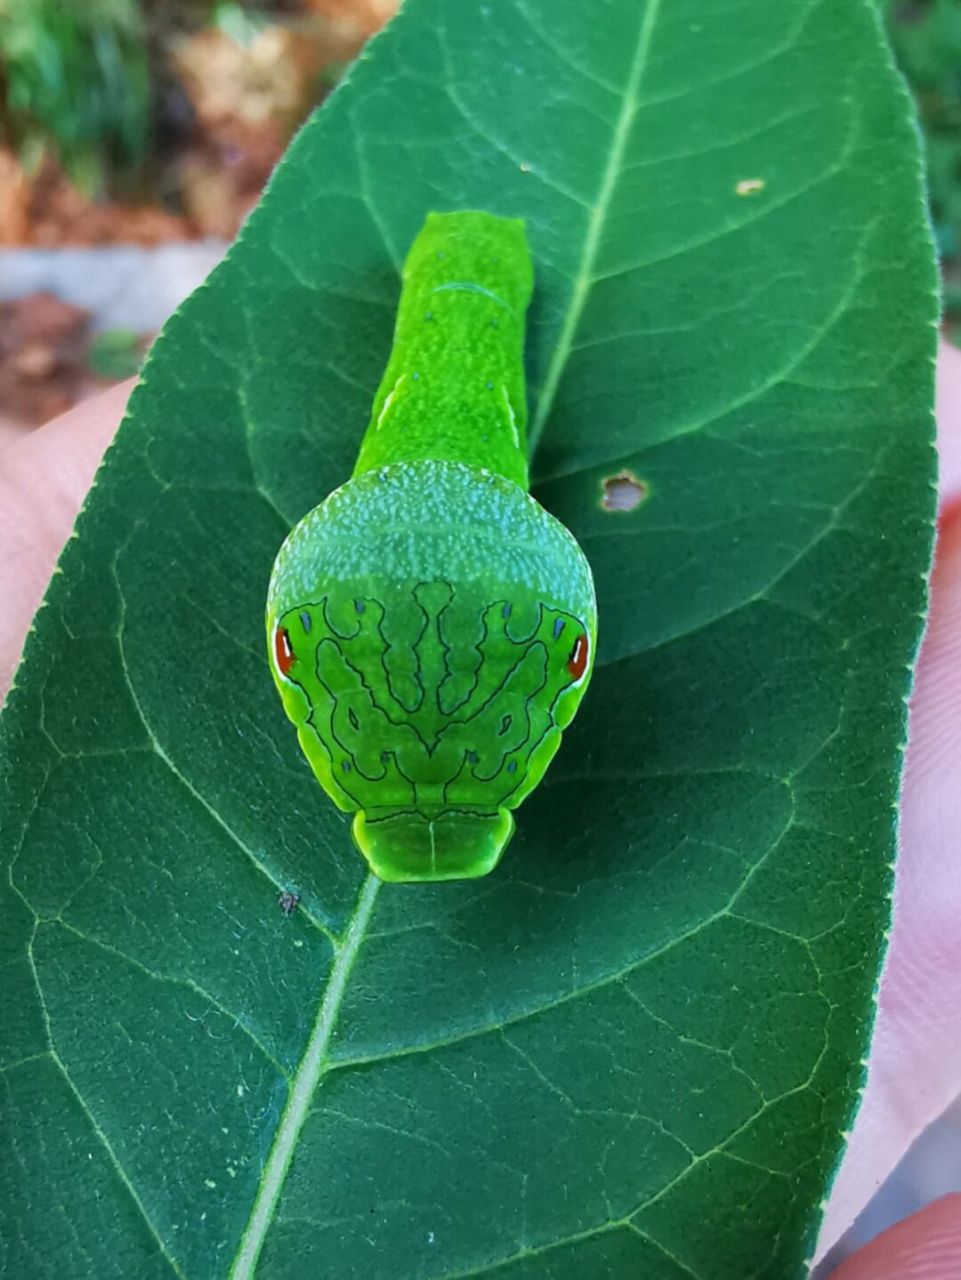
631	1051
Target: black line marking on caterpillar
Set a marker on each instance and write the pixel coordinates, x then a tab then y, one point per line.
325	606
445	648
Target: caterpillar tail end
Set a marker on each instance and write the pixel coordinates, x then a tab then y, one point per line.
417	848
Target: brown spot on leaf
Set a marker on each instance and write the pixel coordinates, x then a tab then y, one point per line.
288	901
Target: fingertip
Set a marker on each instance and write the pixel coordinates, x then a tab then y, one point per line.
926	1246
79	437
948	413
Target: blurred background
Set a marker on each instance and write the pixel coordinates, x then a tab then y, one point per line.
135	135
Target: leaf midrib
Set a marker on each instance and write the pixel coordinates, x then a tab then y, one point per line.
312	1066
584	278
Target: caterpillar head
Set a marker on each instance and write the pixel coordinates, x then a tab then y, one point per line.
431	630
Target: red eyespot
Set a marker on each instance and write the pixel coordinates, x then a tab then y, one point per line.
283	650
577	662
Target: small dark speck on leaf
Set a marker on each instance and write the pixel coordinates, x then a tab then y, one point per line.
623	492
288	902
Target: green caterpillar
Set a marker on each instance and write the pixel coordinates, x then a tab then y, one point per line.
430	627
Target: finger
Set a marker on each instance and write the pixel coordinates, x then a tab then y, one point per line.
948	411
926	1246
915	1069
44	477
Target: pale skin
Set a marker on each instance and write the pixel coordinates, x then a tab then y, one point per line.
915	1069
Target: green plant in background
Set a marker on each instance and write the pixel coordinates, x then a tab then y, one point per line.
241	23
76	80
926	37
116	354
634	1048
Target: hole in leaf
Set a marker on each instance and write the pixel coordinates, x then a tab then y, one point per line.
623	492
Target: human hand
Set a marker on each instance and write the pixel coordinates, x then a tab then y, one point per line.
915	1067
44	479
